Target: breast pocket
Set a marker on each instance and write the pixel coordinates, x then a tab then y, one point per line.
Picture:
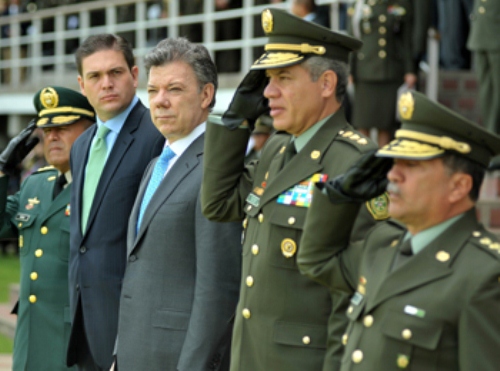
24	223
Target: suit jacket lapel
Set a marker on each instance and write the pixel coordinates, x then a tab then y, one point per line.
425	267
188	161
305	163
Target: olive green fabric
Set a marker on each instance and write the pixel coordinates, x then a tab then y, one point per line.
42	227
293	39
58	106
284	321
436	312
429	129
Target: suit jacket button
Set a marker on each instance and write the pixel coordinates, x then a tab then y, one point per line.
132	258
83	250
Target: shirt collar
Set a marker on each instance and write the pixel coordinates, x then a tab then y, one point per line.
180	145
116	123
305	137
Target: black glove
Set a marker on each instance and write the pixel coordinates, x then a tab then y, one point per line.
248	102
17	149
365	180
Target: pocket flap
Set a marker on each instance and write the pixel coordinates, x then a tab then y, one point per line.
24	220
288	216
300	334
171	319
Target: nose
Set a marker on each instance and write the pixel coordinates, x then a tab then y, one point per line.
271	90
160	99
394	175
107	81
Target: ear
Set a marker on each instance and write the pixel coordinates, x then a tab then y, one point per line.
135	75
207	94
82	86
328	83
460	186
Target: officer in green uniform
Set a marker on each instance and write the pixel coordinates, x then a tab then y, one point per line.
426	292
39	216
283	320
383	63
484	44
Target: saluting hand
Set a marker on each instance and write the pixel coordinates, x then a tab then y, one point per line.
17	149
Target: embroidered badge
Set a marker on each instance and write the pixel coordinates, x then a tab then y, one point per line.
67	212
301	194
32	202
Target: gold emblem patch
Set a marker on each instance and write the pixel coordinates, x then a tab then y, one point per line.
379	207
406	106
288	247
267	21
49	98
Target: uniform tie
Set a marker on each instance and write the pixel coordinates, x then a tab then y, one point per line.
59	185
290	151
159	170
405	252
95	165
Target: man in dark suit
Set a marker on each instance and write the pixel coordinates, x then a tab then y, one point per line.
107	162
283	320
182	279
425	286
38	215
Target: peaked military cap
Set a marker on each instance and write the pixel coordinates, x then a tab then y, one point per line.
58	106
293	39
429	130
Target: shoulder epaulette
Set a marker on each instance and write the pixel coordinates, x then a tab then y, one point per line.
486	241
354	138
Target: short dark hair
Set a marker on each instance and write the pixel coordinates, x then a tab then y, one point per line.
100	42
456	163
317	65
181	49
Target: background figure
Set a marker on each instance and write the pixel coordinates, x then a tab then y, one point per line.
193	32
39	216
384	63
230	29
260	135
483	41
424	285
193	265
309	11
422	18
283	321
453	26
107	164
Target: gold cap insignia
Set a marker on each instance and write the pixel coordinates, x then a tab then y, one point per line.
406	106
49	98
267	21
288	247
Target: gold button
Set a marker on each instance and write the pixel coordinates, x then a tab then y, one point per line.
266	175
443	256
249	281
357	356
306	340
476	233
255	249
44	230
249	207
382	42
345	337
21	241
382	18
20	225
350	309
282	150
291	220
245	223
382	30
32	298
482	10
315	154
34	276
246	313
38	253
406	334
382	54
261	218
403	361
368	321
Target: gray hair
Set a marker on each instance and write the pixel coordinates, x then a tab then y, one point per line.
182	50
318	65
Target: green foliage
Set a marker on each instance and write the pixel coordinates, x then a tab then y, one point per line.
9	273
6	344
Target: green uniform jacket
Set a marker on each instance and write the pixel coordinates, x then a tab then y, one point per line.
438	311
43	320
387	53
485	26
282	318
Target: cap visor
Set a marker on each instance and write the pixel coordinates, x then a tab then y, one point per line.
276	60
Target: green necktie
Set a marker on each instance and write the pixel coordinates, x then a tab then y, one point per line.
95	164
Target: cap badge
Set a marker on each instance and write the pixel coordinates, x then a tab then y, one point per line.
406	106
267	21
49	98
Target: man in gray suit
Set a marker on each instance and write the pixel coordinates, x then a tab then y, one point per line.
181	283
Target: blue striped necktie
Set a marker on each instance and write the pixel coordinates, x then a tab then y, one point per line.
159	170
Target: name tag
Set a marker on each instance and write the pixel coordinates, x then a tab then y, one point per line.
23	217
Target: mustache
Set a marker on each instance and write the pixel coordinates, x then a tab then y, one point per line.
393	188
